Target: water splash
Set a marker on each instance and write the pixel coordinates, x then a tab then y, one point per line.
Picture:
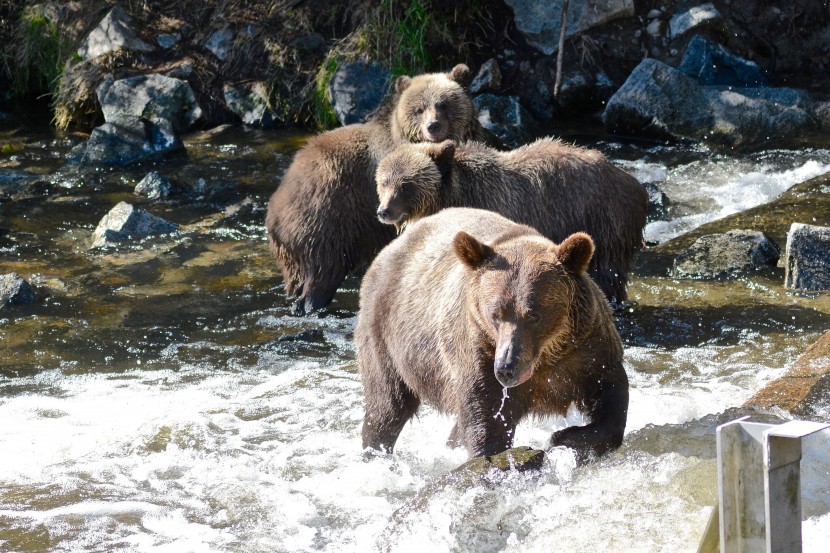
504	396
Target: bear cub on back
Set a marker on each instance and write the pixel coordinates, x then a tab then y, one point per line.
321	219
554	187
466	304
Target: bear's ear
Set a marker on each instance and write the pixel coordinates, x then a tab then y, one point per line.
402	83
472	253
462	75
575	252
443	155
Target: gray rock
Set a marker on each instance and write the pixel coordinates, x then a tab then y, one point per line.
357	90
112	33
655	28
807	258
153	97
14	182
726	256
128	139
220	43
712	64
154	186
682	23
505	117
540	21
662	102
250	102
488	78
168	40
821	113
125	222
15	291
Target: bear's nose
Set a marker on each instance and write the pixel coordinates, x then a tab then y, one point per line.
383	213
433	127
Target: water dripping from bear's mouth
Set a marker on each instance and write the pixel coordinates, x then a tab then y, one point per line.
504	396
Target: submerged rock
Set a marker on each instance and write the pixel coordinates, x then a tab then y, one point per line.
125	222
15	291
805	390
728	255
661	102
807	259
357	90
112	33
505	117
127	139
154	186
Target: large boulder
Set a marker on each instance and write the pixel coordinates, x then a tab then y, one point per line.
807	258
727	255
15	291
114	32
804	391
153	97
661	102
710	63
540	21
505	117
357	90
128	139
126	222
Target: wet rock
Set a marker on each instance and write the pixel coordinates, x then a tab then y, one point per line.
540	21
807	258
153	97
488	78
154	186
125	222
505	117
168	40
693	18
658	202
15	291
804	391
725	256
582	91
114	32
712	64
357	91
15	183
250	102
821	113
661	102
476	471
127	139
220	43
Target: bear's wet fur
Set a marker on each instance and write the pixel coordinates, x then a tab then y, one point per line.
552	186
467	303
321	221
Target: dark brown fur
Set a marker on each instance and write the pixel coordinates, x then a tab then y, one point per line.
321	220
554	187
466	302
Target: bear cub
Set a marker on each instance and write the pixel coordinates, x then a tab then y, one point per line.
466	305
554	187
321	221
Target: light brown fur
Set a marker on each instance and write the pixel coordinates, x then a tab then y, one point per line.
466	302
321	219
554	187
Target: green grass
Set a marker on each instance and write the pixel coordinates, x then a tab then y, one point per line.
321	102
38	60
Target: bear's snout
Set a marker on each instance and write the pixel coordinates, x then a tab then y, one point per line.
384	214
508	365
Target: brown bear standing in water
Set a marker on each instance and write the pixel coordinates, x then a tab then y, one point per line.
554	187
321	220
466	304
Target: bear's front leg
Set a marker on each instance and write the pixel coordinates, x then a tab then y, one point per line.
488	414
605	431
389	402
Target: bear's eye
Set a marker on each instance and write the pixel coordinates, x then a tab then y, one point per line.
419	111
532	318
441	106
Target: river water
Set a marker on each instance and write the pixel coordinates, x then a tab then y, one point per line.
160	397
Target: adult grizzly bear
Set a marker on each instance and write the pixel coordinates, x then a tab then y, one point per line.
554	187
321	220
466	304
